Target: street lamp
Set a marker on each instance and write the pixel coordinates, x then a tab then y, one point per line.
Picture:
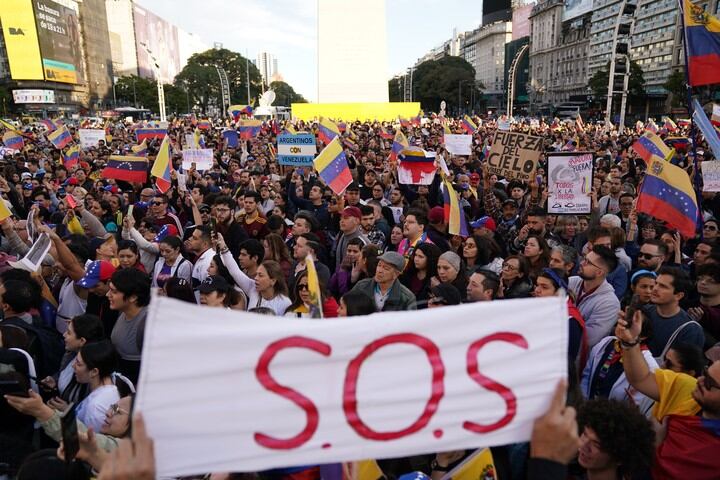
161	91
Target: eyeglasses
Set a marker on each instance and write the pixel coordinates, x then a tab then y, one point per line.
585	259
115	409
708	382
156	203
709	227
648	256
303	286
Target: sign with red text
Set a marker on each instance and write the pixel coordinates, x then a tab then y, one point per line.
515	155
223	390
570	177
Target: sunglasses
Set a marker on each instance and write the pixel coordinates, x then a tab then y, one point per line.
156	203
710	227
303	286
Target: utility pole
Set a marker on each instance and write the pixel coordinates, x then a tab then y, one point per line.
161	91
247	75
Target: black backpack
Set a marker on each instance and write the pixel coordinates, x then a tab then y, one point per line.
46	345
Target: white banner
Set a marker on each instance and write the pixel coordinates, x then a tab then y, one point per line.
201	157
90	137
237	392
570	182
458	144
711	176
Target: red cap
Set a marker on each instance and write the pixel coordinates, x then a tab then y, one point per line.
352	212
474	177
85	165
436	215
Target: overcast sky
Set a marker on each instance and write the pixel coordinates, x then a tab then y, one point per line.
287	29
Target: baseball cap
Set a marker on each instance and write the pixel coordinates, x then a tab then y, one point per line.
474	177
510	201
26	175
214	283
98	271
111	188
204	208
27	186
352	212
394	259
436	215
353	186
486	222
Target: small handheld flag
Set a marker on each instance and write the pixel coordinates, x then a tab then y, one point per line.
333	168
163	167
60	138
71	157
454	216
327	130
140	150
313	288
13	140
142	134
127	168
649	146
468	125
399	144
249	129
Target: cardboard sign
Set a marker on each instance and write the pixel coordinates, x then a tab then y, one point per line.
515	155
90	137
258	394
569	183
458	144
201	157
711	176
296	150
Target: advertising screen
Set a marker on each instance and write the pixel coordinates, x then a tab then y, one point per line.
161	38
21	39
575	8
59	32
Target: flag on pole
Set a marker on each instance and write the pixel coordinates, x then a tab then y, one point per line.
667	194
651	126
680	144
316	310
415	120
702	45
404	122
468	125
333	168
140	150
386	135
149	133
249	129
327	131
710	134
13	140
127	168
649	146
579	122
237	110
60	138
399	144
669	125
416	167
454	216
162	167
71	157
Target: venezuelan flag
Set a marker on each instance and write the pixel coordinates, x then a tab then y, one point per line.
290	129
680	144
60	138
702	40
333	168
404	122
49	124
149	133
715	116
162	167
249	129
127	168
386	134
468	125
651	126
649	146
231	137
400	143
327	130
667	194
237	110
415	120
313	288
204	124
140	150
342	126
669	125
454	216
71	157
13	140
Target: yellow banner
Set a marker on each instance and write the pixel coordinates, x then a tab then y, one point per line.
21	40
388	112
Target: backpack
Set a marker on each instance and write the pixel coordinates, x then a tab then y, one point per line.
46	345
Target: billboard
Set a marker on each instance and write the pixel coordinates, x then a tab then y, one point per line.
34	96
21	39
521	22
60	44
161	38
496	11
575	8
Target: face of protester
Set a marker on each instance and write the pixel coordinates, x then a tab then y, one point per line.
385	273
370	178
352	197
643	288
476	291
420	260
445	272
663	292
536	224
582	225
82	373
117	298
114	203
396	235
591	455
707	286
544	288
158	207
368	222
263	282
395	197
212	299
315	193
80	175
615	186
300	226
649	232
222	213
352	253
590	267
168	253
650	257
707	391
510	270
411	228
378	192
72	341
605	188
244	178
626	204
470	249
710	230
509	211
701	254
196	242
96	209
107	250
570	229
532	249
557	261
117	418
245	260
342	308
127	258
303	291
250	205
348	223
212	268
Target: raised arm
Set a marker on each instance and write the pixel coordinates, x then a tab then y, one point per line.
637	371
242	280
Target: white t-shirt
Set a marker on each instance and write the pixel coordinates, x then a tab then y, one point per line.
92	410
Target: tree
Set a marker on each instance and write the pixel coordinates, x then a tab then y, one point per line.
137	92
636	86
201	79
177	100
285	94
676	86
444	79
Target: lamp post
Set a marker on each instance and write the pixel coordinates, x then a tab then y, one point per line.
161	91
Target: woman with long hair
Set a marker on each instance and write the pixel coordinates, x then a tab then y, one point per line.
514	278
302	306
420	270
171	262
180	289
356	303
537	253
236	298
481	252
275	249
396	236
129	255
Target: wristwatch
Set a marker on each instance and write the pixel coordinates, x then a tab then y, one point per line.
436	467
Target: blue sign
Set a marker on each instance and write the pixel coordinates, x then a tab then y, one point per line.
297	150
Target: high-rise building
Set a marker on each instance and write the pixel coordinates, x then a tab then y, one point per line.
98	56
484	49
121	30
352	55
267	64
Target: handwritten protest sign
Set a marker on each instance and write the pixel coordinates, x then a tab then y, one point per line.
711	176
458	144
570	182
515	155
202	157
297	150
256	395
90	137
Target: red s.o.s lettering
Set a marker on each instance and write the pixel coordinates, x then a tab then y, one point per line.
262	372
490	384
350	403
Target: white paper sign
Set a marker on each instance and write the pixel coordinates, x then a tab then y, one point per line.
189	140
202	157
90	137
570	182
711	176
458	144
258	394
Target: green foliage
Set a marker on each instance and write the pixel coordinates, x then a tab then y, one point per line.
285	94
675	84
599	82
438	80
137	92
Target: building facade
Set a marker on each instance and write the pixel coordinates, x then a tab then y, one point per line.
98	55
267	64
484	49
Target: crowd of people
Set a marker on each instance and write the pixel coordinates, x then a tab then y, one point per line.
643	302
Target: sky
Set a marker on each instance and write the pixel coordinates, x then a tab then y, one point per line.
287	29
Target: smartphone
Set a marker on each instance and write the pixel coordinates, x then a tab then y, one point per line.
71	201
130	210
635	305
13	387
213	230
71	442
